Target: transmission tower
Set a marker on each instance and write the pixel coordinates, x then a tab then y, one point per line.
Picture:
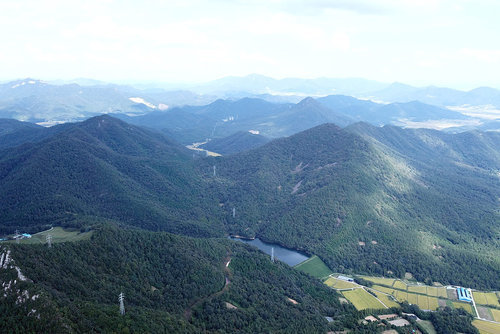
214	170
121	298
17	236
49	240
272	254
234	212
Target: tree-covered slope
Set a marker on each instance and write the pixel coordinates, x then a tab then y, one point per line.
363	205
171	284
235	143
104	168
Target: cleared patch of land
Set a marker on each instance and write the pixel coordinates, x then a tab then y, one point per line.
484	312
486	327
314	266
339	284
58	235
362	300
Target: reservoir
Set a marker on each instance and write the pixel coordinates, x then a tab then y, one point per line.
289	256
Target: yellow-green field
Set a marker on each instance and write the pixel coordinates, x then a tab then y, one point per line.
486	298
401	295
412	298
384	289
387	300
496	314
417	289
436	292
58	235
433	303
486	327
399	285
379	280
362	300
464	306
339	284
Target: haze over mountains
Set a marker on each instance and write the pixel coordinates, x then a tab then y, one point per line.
48	104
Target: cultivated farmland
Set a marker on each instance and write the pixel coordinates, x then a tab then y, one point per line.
362	300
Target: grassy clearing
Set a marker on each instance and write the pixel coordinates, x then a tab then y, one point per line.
399	285
58	235
339	284
427	326
380	280
362	300
486	327
486	298
314	266
387	300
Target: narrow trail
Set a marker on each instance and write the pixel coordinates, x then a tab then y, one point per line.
189	311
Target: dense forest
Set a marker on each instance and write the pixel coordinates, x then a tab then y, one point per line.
171	284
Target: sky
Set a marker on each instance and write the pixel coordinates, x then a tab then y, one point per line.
453	43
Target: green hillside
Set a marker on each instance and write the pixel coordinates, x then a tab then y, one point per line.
364	206
171	284
104	168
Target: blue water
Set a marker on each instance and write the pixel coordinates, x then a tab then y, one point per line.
289	256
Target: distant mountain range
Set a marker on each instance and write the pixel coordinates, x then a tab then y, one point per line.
38	101
223	118
273	107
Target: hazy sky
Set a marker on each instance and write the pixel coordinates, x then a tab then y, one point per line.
454	43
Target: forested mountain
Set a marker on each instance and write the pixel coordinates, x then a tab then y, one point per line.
372	205
235	143
104	168
380	200
172	284
223	118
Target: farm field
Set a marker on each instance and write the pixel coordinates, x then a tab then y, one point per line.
465	306
486	327
399	285
417	289
384	289
412	298
362	300
58	235
496	314
486	298
380	280
387	300
339	284
314	266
